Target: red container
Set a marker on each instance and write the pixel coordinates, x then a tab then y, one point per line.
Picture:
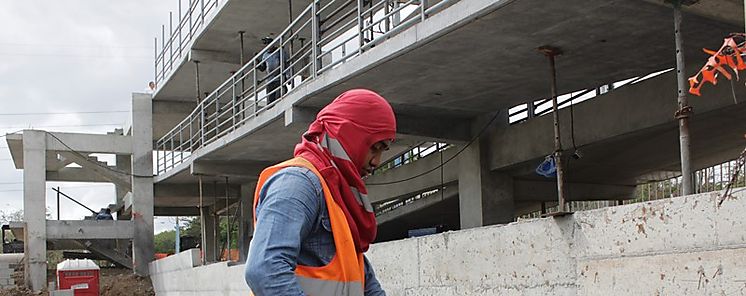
82	276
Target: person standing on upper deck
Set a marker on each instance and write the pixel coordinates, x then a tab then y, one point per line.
271	63
313	218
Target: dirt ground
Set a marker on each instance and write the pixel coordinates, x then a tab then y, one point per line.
114	282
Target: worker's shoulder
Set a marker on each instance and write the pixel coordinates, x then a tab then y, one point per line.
298	174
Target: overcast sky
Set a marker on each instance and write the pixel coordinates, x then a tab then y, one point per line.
72	56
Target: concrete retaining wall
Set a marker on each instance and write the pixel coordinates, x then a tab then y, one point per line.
680	246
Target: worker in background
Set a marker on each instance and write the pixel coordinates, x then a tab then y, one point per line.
313	219
104	214
271	63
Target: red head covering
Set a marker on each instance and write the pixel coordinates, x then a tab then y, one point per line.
337	143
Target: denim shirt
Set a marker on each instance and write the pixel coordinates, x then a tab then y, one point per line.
293	228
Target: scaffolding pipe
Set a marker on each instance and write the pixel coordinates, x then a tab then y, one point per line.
228	218
201	223
682	115
551	53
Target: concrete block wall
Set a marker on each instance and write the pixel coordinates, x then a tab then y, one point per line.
681	246
6	276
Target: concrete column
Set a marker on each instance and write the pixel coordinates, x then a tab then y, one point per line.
209	231
246	220
124	164
485	198
34	209
143	249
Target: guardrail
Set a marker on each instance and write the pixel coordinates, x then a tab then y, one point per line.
180	37
319	39
710	179
418	151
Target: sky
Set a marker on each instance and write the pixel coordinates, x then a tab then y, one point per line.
68	57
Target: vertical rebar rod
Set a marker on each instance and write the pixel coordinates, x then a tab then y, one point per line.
684	109
551	53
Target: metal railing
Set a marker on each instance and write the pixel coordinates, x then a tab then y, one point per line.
179	38
319	39
415	153
710	179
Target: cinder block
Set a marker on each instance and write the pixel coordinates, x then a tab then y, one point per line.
4	265
62	293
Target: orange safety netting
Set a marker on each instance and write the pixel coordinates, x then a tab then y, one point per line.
730	54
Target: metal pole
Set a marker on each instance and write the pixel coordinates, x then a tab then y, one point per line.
58	202
203	233
315	38
240	56
196	78
684	109
177	246
551	53
155	57
290	11
228	235
360	36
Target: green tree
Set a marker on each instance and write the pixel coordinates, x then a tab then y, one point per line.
165	242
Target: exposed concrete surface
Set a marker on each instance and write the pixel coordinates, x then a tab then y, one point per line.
680	246
89	229
34	209
143	249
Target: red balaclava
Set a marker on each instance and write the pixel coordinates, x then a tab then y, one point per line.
337	143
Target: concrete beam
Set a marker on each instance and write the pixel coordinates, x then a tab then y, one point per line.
622	116
75	175
89	229
213	56
59	163
143	248
446	129
99	168
452	130
176	211
89	143
228	168
176	192
725	11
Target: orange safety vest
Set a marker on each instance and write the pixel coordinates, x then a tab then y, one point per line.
345	274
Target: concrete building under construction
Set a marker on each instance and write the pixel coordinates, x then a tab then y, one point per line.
484	91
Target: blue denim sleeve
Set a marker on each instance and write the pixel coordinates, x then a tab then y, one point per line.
372	286
285	213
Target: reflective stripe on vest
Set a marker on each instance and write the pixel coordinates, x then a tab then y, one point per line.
345	274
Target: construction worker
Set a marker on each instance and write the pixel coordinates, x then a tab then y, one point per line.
313	220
